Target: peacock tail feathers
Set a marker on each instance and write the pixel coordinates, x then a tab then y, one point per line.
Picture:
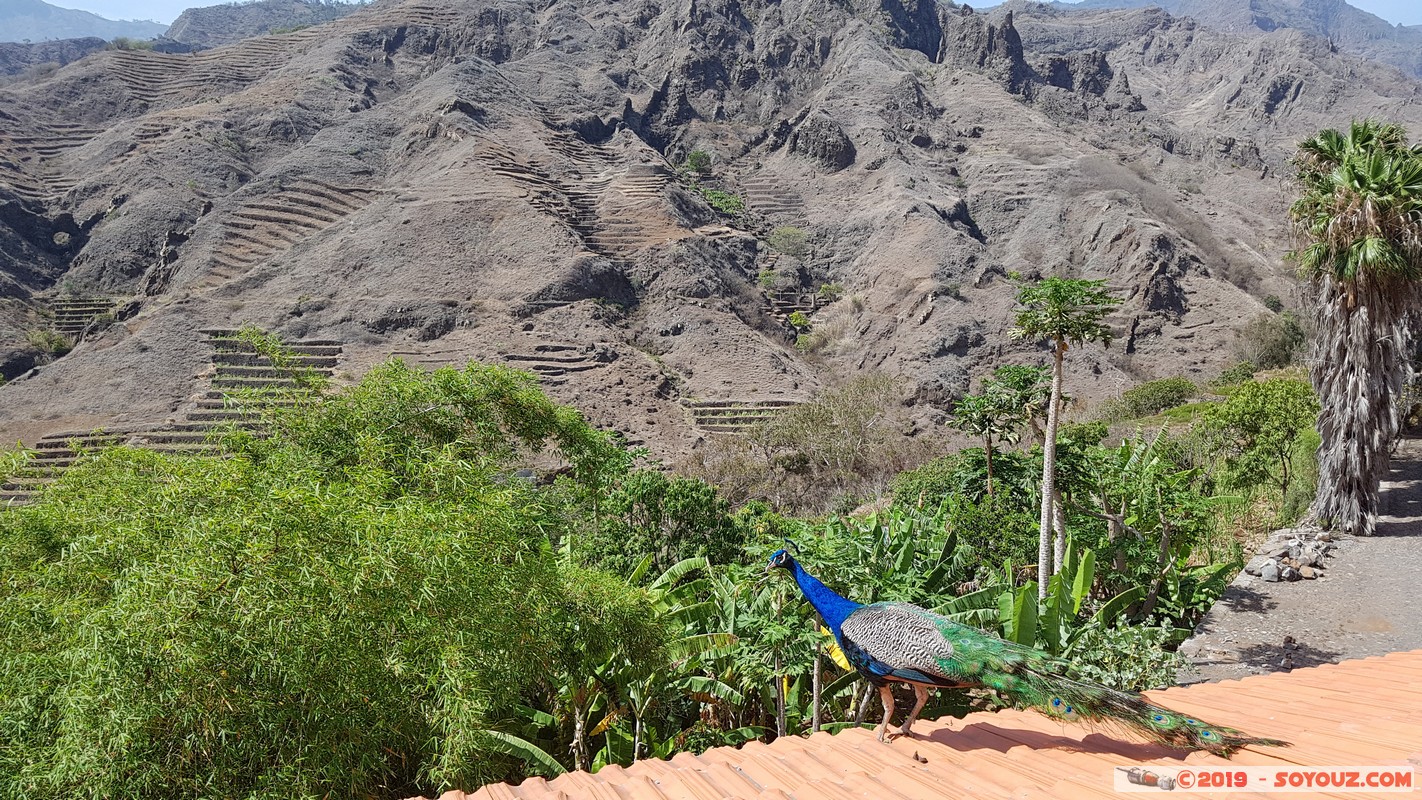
1073	700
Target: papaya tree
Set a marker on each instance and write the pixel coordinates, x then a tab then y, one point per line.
1062	312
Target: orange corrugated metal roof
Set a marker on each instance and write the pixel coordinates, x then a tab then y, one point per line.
1366	712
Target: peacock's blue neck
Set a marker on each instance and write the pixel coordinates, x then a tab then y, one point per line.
833	608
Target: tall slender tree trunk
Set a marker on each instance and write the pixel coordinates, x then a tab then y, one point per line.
1359	364
1058	530
1049	472
987	453
815	691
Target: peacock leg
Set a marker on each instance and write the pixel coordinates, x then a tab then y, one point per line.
921	695
886	696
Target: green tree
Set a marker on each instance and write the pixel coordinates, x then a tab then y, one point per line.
988	416
789	240
1026	389
1270	341
666	518
1359	214
1262	424
1062	312
698	161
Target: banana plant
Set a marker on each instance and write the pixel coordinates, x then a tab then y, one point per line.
1052	623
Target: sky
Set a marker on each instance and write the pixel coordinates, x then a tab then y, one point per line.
1407	12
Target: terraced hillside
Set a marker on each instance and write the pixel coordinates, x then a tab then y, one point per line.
262	227
241	383
507	181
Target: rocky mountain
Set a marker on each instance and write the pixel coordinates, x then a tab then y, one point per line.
17	57
1350	29
499	180
37	21
209	26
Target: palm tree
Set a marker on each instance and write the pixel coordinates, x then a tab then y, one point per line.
1062	312
1359	217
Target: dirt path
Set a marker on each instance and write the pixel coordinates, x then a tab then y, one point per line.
1367	602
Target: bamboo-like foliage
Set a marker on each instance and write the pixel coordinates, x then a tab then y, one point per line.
1359	219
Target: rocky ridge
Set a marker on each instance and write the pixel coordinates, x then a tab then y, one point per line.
37	21
455	179
1342	26
210	26
16	58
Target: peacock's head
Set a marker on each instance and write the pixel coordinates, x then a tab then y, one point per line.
781	560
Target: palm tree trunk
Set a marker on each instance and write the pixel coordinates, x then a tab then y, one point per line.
1358	365
1049	473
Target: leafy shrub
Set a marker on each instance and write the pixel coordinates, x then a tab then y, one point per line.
799	321
698	161
1084	433
52	343
996	529
346	609
767	278
724	202
1273	303
830	292
1129	657
1152	397
1271	341
964	474
1235	375
670	518
125	43
789	240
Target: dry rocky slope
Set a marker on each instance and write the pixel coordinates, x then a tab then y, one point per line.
210	26
1350	29
447	180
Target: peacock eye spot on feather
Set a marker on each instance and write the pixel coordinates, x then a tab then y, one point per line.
1208	735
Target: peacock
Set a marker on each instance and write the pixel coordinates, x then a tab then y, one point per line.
902	643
